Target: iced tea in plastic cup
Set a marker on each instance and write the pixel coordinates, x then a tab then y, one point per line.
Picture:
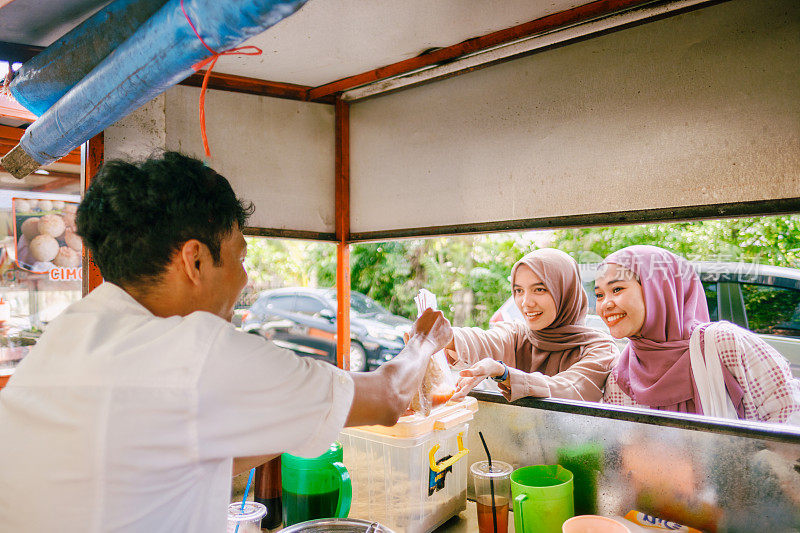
492	494
248	519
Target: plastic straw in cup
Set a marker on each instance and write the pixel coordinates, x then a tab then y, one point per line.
491	481
246	492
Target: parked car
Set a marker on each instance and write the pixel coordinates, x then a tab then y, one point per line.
304	321
762	298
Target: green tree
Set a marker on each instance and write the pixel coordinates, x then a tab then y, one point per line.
469	275
274	263
768	240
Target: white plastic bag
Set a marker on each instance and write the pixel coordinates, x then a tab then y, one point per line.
438	385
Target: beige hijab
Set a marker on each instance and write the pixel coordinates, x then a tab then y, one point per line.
558	346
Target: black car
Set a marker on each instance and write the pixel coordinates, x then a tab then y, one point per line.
304	321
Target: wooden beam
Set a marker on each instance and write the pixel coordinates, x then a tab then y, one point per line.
476	44
278	233
342	208
241	84
93	153
11	135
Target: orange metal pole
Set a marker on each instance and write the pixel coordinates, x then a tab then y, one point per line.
92	157
342	200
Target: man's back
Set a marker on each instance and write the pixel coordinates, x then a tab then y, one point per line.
101	430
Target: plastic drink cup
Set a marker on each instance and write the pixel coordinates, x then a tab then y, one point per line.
543	498
585	461
593	524
248	519
492	494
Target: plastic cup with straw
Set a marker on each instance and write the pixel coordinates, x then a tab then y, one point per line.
246	492
247	514
492	490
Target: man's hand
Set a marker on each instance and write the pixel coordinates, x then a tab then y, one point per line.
470	377
433	327
382	396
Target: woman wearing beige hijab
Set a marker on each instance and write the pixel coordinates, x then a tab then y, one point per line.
552	354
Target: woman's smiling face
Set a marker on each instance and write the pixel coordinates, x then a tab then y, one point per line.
620	301
533	299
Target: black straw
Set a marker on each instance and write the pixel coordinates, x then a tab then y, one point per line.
491	481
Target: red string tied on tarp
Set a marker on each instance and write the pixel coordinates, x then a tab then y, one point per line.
211	61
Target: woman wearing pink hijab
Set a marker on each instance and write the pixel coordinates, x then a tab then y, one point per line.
677	360
552	354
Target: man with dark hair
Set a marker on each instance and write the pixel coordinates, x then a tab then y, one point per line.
139	400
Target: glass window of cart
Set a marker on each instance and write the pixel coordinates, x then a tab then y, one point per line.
40	258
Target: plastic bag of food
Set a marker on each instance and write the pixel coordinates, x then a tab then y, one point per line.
438	384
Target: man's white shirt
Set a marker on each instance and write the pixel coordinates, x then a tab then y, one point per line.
119	420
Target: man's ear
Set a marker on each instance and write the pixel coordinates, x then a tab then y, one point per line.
190	257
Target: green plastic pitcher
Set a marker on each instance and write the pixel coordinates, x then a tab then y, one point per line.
543	498
317	487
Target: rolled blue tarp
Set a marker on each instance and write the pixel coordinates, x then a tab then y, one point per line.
41	81
156	57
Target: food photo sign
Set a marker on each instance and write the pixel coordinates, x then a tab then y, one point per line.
45	238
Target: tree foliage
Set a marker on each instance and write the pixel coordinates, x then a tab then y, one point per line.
767	240
469	275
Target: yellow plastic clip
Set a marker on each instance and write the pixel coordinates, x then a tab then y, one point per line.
462	452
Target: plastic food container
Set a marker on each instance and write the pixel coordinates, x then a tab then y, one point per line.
248	519
412	476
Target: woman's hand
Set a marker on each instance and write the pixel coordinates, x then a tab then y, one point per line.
470	377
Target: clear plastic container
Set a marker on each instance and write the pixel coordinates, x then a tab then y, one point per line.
248	519
393	482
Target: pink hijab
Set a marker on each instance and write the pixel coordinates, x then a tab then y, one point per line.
655	368
558	346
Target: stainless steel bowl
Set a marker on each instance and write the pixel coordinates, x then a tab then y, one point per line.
338	525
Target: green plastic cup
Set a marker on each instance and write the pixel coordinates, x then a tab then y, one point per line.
317	487
543	498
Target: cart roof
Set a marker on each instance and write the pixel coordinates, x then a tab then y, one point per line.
325	40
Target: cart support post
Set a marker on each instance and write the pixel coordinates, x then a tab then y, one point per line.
342	200
92	153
